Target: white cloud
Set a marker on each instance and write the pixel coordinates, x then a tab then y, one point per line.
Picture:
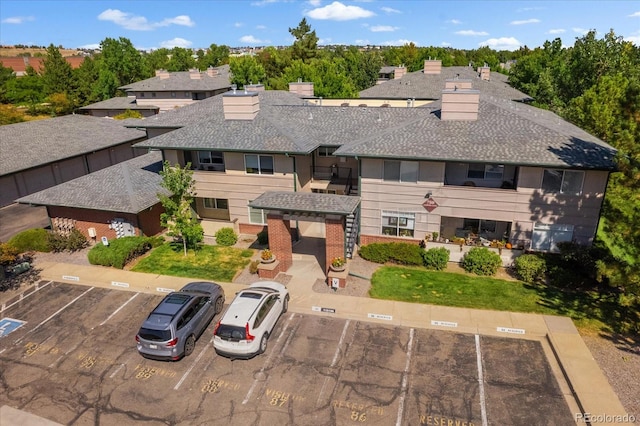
263	2
633	39
556	31
445	44
325	41
454	21
389	10
579	30
261	27
525	22
249	39
502	43
315	3
140	23
472	33
18	19
383	28
90	46
634	15
176	42
400	42
337	11
362	42
238	24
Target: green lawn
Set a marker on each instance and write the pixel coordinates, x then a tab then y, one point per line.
213	263
590	310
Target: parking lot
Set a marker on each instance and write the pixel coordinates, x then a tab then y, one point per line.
67	353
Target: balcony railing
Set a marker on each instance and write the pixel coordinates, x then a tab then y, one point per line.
334	175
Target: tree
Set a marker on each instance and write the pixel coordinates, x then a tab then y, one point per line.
119	64
214	57
178	216
246	70
86	75
157	60
305	45
6	74
57	74
181	60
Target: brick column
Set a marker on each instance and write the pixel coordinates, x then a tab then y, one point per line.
280	240
334	245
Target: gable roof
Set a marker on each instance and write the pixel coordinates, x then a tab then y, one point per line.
505	132
118	103
35	143
182	81
429	86
127	187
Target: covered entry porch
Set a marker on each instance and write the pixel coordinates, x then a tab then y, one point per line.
337	212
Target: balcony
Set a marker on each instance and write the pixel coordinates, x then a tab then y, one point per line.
494	176
332	180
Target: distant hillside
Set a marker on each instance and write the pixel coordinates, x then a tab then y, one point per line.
14	51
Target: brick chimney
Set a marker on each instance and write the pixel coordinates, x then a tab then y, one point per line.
163	74
460	104
301	88
240	105
194	74
399	72
212	72
432	66
484	73
254	87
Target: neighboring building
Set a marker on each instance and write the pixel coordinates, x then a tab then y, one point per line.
117	201
170	90
19	64
473	163
118	105
35	155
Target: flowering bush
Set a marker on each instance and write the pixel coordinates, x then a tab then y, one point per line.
337	262
266	254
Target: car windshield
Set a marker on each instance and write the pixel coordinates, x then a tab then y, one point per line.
155	335
230	332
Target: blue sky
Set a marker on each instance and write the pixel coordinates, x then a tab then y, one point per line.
456	23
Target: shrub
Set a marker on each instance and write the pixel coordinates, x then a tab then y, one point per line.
31	240
436	258
481	261
253	266
72	242
263	238
8	253
530	267
120	251
400	253
226	237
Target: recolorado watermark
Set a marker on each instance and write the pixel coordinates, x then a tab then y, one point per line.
604	418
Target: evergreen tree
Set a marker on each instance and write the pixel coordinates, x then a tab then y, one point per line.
57	74
305	45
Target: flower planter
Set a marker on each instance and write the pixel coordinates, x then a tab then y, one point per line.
270	260
338	268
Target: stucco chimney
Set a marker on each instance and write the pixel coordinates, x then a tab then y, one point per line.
460	104
301	88
399	72
458	84
240	105
194	74
212	72
432	66
163	74
254	87
484	73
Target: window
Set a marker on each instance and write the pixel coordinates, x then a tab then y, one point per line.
142	94
257	216
216	203
326	151
401	171
485	171
546	237
153	94
398	224
187	94
173	94
211	160
562	181
258	164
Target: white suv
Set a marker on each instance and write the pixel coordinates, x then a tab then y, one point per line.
244	328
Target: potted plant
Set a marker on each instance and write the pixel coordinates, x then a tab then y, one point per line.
338	264
266	256
434	236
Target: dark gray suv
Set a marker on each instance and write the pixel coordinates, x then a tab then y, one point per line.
172	328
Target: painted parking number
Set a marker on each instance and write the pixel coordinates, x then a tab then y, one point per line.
8	325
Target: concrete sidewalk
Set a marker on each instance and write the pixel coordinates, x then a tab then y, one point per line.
575	365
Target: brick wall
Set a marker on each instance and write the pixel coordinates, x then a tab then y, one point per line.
334	243
368	239
280	240
250	228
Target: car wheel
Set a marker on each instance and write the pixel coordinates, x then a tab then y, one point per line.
219	305
263	343
285	304
189	345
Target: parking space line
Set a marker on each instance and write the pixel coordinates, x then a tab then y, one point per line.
405	379
344	333
112	375
186	373
53	315
118	310
264	366
483	407
22	296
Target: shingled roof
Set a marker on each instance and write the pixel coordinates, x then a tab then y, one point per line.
429	86
506	132
182	81
128	187
34	143
118	103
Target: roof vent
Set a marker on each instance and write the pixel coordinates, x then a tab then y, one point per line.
240	105
460	104
432	66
